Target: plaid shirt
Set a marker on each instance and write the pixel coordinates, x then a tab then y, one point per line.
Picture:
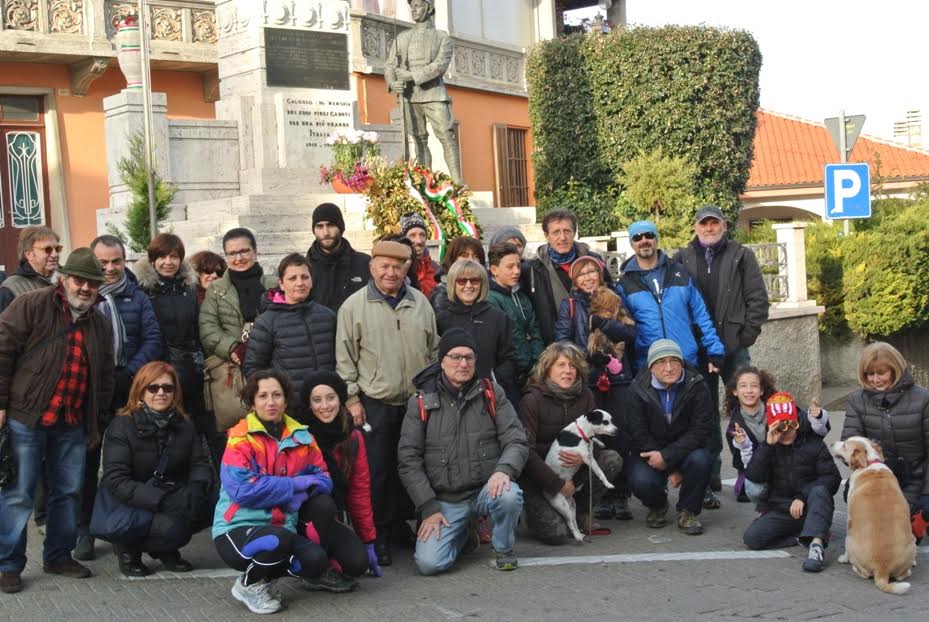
73	381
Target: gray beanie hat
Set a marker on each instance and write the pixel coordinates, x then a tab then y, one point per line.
663	348
508	233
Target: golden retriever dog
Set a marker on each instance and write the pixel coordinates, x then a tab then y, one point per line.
879	542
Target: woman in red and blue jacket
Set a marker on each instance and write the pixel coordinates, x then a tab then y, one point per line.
273	476
350	549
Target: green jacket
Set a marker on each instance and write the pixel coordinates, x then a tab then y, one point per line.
221	322
524	328
378	349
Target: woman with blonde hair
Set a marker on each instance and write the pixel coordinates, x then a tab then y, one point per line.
151	434
468	309
893	410
556	396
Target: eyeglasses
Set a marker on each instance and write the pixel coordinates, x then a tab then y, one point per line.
468	280
457	358
784	425
152	389
588	273
242	253
648	235
81	282
48	249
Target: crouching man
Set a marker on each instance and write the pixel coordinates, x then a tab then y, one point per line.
461	449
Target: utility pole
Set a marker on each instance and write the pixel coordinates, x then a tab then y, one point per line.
147	119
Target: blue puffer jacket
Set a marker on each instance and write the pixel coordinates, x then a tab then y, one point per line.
143	337
669	309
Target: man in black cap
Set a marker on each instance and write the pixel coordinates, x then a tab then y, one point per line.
56	377
729	279
338	270
461	449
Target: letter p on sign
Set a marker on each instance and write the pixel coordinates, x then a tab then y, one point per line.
848	191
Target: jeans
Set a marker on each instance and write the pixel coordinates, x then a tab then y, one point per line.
772	528
650	485
437	555
62	447
755	491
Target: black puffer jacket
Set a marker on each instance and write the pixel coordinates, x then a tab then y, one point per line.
899	420
337	275
490	329
691	417
296	339
131	449
791	471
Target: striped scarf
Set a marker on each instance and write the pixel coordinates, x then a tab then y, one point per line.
111	312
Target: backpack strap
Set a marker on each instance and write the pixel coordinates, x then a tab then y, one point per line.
490	398
423	413
570	307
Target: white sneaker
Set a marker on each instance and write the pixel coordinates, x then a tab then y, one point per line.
257	597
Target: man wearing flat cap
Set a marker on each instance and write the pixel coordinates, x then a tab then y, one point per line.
56	376
386	333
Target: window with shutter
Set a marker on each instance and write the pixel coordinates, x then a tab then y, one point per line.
511	166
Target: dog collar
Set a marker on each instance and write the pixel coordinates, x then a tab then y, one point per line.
870	462
581	433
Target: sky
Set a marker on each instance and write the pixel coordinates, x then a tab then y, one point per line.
823	56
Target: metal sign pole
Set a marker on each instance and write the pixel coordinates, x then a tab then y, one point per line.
147	119
843	156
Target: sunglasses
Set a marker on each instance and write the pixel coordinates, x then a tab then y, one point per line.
468	280
80	281
783	426
153	388
48	249
648	235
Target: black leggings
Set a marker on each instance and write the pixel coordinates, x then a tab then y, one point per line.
269	552
339	541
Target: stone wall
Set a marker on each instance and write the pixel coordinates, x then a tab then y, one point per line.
789	348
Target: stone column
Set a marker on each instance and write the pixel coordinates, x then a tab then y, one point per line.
791	234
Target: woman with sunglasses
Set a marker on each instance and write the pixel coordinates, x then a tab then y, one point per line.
468	309
462	247
209	267
151	424
801	479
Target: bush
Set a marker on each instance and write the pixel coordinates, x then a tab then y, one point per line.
824	275
596	210
597	102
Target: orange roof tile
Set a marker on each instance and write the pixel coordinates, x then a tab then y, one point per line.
790	151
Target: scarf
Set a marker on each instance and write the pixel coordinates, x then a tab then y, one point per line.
562	258
249	288
710	251
328	436
565	395
108	292
755	422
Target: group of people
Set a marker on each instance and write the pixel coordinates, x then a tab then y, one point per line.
385	389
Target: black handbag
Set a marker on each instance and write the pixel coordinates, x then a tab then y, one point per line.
118	523
7	460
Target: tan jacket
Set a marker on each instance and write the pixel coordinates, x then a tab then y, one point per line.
378	350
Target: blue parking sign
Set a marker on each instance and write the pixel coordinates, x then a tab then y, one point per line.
848	191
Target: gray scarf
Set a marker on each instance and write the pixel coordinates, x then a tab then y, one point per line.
116	322
755	422
566	395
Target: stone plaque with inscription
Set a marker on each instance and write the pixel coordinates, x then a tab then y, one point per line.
306	59
307	119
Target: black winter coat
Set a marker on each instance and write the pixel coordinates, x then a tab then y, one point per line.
899	420
131	449
691	417
791	471
490	329
337	275
296	339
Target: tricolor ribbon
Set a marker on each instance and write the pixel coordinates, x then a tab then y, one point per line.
437	233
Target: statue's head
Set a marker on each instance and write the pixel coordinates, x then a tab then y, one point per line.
421	10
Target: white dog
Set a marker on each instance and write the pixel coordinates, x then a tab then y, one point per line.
578	437
879	542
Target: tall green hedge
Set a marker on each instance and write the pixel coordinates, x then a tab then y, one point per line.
597	102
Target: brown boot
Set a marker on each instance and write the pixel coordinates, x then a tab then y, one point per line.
67	567
10	582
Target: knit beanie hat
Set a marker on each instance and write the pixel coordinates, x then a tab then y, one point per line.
411	220
328	212
508	233
581	263
781	407
318	378
456	338
663	348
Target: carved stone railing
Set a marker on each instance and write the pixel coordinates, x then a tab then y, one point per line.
476	64
190	21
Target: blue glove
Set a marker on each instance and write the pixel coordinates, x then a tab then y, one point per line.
298	499
372	561
303	482
322	485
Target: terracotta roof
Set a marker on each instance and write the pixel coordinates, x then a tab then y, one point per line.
790	151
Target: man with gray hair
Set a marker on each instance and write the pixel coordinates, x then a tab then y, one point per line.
415	64
39	250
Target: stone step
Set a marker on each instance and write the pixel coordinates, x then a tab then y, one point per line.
351	205
504	216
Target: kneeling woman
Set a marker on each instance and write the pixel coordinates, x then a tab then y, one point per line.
273	476
151	425
323	396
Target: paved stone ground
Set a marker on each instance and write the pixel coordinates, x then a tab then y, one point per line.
715	586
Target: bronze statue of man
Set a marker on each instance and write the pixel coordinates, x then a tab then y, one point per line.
416	62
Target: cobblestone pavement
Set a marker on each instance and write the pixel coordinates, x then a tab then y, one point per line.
657	575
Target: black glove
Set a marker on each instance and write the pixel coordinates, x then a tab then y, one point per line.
596	322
